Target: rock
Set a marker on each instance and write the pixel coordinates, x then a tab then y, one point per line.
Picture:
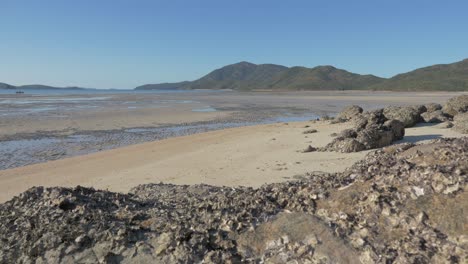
419	108
348	133
408	115
397	127
436	116
402	204
431	107
446	124
456	105
310	131
372	135
309	149
461	123
345	145
375	117
350	112
375	137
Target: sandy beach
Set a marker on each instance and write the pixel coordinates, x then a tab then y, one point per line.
245	156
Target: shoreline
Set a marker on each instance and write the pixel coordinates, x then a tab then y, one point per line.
242	156
68	126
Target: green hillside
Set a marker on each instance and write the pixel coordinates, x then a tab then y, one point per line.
441	77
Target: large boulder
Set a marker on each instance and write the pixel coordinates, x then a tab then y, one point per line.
456	105
409	115
345	145
397	127
419	108
431	107
350	112
375	137
436	116
369	119
348	133
370	136
461	123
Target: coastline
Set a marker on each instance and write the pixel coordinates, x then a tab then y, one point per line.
243	156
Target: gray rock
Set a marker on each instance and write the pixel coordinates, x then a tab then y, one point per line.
436	116
461	123
456	105
350	112
419	108
348	133
375	137
431	107
344	145
408	115
397	127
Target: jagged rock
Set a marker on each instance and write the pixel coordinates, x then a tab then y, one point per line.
344	145
350	112
461	123
456	105
375	137
348	133
408	115
431	107
402	204
371	135
373	118
419	108
397	127
436	116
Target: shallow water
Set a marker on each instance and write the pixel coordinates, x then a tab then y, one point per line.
205	109
21	152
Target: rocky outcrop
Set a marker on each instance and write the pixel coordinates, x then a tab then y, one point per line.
408	115
350	112
401	204
461	123
436	116
456	105
371	130
431	107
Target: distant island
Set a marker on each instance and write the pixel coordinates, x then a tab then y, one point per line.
39	87
248	76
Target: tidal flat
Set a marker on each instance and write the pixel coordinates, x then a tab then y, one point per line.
37	128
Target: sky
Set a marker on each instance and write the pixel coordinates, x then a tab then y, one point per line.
123	44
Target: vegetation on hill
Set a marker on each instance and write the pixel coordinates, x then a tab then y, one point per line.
441	77
162	86
249	76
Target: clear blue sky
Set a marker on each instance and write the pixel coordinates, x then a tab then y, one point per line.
122	44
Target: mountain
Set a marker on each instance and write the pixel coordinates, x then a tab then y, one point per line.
321	78
6	86
239	76
162	86
249	76
441	77
38	87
